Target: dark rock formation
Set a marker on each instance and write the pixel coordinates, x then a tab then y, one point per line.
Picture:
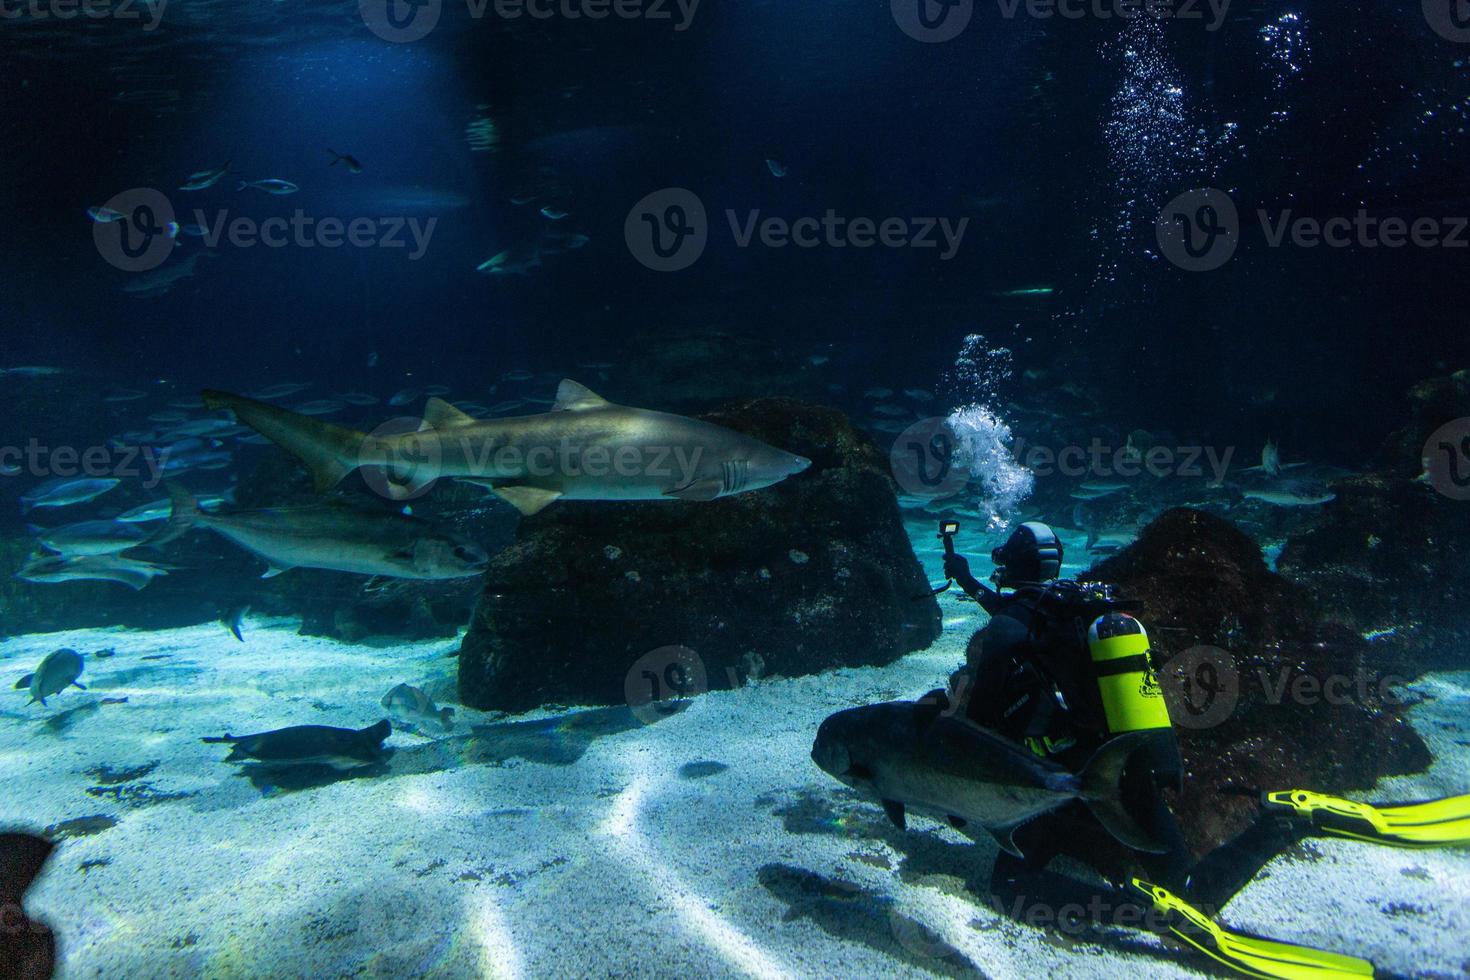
1313	707
1432	403
814	573
1391	555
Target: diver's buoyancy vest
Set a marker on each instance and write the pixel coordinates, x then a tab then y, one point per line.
1088	672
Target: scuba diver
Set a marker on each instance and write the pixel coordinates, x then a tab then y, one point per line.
1062	667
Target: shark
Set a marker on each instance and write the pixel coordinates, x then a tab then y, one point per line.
956	770
585	448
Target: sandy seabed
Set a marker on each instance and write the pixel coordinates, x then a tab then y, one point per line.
580	842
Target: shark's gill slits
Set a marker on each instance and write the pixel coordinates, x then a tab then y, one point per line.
736	475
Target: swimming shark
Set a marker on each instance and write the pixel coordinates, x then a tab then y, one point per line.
338	538
953	769
585	448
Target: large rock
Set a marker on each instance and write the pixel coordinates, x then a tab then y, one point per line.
1432	403
1203	583
1391	558
811	574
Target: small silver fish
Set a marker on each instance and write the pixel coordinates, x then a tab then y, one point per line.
353	167
65	492
278	391
92	538
201	179
91	568
271	185
405	397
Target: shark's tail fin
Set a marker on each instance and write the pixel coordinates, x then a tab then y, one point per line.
329	451
184	515
1101	787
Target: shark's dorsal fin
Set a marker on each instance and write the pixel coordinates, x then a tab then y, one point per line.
574	397
894	809
442	415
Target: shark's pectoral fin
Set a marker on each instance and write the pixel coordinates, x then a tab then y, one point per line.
275	570
439	414
698	490
79	684
894	809
527	500
24	682
1005	837
574	397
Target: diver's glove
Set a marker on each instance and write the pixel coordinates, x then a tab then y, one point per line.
957	567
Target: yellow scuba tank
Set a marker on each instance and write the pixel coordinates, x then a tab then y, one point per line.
1129	689
1131	697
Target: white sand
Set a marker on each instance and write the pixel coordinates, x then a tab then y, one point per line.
577	848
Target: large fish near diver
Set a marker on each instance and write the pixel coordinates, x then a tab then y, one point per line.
336	537
955	770
585	448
